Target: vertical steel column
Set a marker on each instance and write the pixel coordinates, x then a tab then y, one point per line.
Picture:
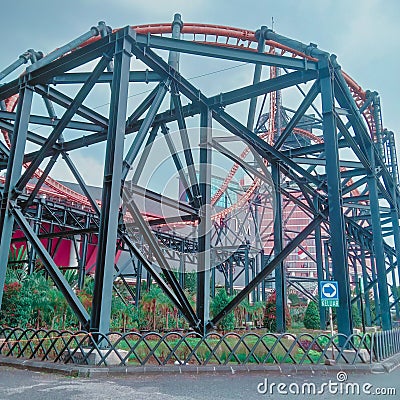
320	266
396	235
379	253
364	272
280	274
149	281
83	256
138	291
336	219
246	266
14	168
182	266
263	283
256	78
204	229
328	266
375	288
111	198
257	258
376	112
49	246
377	237
173	57
394	286
36	229
213	282
394	213
230	292
355	283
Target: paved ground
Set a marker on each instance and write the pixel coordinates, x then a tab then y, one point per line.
28	385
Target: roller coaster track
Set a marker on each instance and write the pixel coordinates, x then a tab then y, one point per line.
215	35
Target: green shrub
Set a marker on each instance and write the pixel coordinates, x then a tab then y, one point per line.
218	303
357	321
311	317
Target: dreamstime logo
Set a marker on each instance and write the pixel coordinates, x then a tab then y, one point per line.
341	386
187	188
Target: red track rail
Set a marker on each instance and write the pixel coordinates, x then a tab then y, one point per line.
218	36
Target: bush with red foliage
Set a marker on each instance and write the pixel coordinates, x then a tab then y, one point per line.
270	314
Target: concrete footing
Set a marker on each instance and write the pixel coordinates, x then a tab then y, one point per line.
349	356
95	356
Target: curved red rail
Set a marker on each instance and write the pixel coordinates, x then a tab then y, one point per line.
219	36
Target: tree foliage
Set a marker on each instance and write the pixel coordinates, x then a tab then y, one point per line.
357	321
311	317
218	303
270	314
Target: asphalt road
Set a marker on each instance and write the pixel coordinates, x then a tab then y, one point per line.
28	385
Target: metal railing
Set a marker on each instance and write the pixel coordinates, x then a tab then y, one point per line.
133	348
385	344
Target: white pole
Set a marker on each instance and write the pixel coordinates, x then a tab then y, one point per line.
331	324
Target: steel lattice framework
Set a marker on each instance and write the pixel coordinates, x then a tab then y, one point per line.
343	178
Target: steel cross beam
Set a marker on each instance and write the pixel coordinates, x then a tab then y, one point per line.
177	162
192	93
182	300
126	240
105	77
144	128
64	64
264	149
184	46
187	152
80	181
346	101
49	121
143	106
62	124
307	101
65	101
41	180
31	136
160	66
280	257
52	269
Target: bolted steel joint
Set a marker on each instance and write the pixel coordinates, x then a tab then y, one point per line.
25	56
95	30
177	21
262	32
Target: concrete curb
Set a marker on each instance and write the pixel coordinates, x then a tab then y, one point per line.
119	371
391	363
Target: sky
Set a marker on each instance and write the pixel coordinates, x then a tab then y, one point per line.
363	34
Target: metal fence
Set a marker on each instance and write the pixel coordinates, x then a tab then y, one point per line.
180	348
385	344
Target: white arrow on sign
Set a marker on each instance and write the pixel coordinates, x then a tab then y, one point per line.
329	290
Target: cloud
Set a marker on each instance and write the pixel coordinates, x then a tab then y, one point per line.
89	167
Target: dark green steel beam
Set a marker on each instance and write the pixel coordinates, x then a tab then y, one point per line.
184	46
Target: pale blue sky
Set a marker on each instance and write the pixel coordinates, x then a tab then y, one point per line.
363	34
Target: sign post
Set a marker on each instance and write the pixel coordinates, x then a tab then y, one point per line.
361	287
329	297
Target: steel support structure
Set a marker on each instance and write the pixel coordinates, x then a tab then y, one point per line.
336	219
349	206
102	296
